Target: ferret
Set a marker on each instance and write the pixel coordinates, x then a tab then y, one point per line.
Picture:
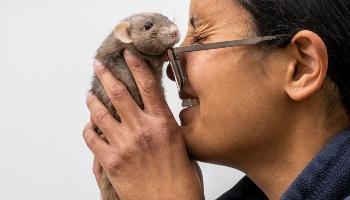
147	36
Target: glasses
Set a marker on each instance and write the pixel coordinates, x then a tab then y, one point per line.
174	53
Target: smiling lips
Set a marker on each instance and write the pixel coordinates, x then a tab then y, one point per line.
187	103
190	111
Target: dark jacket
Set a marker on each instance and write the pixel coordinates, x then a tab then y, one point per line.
327	176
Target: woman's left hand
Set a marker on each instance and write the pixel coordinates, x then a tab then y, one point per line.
145	156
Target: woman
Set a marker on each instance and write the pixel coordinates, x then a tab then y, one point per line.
278	110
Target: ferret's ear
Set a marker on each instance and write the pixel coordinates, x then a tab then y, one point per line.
121	32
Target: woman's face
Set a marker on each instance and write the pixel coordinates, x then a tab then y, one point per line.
238	90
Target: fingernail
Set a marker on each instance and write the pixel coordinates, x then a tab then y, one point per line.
98	65
132	59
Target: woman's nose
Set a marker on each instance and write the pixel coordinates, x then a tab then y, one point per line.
170	72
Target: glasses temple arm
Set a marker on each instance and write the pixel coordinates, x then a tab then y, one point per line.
225	44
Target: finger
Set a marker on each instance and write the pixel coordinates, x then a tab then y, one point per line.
117	92
97	170
101	117
198	171
96	144
199	174
150	90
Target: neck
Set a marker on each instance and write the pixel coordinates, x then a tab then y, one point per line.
275	167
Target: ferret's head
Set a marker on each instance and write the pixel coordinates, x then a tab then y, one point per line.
151	33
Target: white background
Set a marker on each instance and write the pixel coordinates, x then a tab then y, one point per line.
46	51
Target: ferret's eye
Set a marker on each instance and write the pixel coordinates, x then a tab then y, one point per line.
148	25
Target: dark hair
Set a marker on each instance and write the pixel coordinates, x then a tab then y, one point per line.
330	19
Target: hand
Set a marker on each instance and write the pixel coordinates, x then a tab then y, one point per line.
145	156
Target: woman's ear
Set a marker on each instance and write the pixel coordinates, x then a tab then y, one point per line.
121	32
308	72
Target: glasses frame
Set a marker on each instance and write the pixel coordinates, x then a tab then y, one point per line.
174	53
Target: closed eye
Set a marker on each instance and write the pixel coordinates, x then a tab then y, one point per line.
196	39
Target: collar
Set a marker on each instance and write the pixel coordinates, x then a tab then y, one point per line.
327	176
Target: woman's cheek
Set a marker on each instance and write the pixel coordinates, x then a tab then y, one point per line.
196	68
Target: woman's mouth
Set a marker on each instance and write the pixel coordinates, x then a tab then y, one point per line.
190	110
188	103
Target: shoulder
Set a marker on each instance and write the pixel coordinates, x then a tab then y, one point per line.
327	176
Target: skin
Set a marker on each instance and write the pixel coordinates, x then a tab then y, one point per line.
270	120
147	140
